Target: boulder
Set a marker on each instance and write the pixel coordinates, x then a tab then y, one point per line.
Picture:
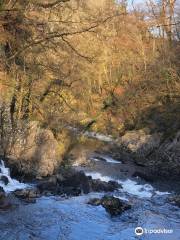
73	183
95	201
165	160
76	180
114	206
140	142
175	200
70	191
35	152
4	203
27	195
1	189
47	186
4	179
68	180
144	175
101	186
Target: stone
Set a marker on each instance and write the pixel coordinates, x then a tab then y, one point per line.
76	179
100	186
94	202
71	191
140	142
4	203
143	175
175	200
114	206
73	183
1	189
4	179
46	185
27	194
36	152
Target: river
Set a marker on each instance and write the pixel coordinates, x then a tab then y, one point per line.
57	218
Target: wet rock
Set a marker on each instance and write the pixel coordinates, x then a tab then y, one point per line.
29	200
73	183
95	201
4	203
27	195
114	206
60	177
143	175
1	189
4	179
68	182
47	186
71	191
2	196
175	200
77	180
87	184
115	184
101	186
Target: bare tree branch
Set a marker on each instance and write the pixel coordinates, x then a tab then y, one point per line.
50	5
75	50
54	35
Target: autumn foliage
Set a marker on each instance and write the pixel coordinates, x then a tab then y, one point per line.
75	62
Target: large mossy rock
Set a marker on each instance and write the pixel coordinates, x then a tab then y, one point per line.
36	152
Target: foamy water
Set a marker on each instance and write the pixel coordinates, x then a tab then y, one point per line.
106	158
129	186
99	136
12	184
73	219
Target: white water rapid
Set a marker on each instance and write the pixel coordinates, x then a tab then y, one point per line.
6	182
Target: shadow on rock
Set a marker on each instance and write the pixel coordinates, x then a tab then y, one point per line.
72	183
4	203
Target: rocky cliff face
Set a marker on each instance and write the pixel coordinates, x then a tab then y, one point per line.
165	160
140	142
161	157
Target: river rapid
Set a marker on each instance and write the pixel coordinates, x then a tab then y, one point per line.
58	218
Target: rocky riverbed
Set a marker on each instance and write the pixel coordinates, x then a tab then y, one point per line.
58	207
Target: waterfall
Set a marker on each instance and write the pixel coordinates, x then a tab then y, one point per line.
8	184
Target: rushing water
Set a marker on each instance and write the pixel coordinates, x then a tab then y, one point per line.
55	218
13	184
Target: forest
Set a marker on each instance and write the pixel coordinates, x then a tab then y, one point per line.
126	62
